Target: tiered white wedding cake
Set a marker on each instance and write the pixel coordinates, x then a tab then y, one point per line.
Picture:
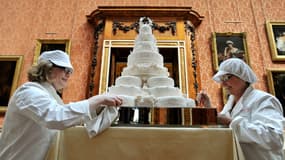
145	81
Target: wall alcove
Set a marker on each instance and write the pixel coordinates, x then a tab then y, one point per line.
115	29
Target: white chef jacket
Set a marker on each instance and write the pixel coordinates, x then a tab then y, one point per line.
257	121
34	111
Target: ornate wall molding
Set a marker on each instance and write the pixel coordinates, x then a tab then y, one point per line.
135	26
190	29
98	29
185	13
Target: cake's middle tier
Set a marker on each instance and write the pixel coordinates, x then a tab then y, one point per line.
136	91
163	91
145	57
145	71
126	90
128	81
160	81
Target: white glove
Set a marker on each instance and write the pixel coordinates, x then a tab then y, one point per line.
203	99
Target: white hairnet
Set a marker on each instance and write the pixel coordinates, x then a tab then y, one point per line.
237	67
229	42
57	57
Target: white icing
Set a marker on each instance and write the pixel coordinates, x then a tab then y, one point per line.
190	102
160	81
128	100
126	90
171	101
145	101
129	80
145	46
145	58
164	91
145	71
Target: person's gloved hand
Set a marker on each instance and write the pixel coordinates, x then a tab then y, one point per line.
203	99
223	119
104	100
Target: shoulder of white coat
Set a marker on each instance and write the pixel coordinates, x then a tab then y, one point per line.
259	94
30	89
31	85
265	97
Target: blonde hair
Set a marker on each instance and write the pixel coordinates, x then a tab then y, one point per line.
40	72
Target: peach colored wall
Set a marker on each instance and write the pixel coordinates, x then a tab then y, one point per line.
22	22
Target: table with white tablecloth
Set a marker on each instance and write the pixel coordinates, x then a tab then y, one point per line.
146	143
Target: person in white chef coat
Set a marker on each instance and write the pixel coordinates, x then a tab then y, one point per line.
256	117
36	112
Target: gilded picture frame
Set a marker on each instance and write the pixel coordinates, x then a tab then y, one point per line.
225	95
276	83
10	71
276	37
51	44
228	45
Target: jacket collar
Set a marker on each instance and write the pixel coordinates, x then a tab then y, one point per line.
51	90
236	108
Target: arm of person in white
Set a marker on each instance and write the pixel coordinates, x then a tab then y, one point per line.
38	105
265	127
33	102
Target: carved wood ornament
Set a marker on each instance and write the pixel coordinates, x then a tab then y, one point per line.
168	26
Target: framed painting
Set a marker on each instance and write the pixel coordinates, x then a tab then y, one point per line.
228	45
276	38
9	73
276	83
51	44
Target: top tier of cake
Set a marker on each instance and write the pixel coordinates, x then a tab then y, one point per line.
145	51
145	61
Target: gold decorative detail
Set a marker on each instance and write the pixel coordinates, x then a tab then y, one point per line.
276	36
11	68
40	42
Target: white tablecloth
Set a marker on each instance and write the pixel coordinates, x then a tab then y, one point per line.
146	143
